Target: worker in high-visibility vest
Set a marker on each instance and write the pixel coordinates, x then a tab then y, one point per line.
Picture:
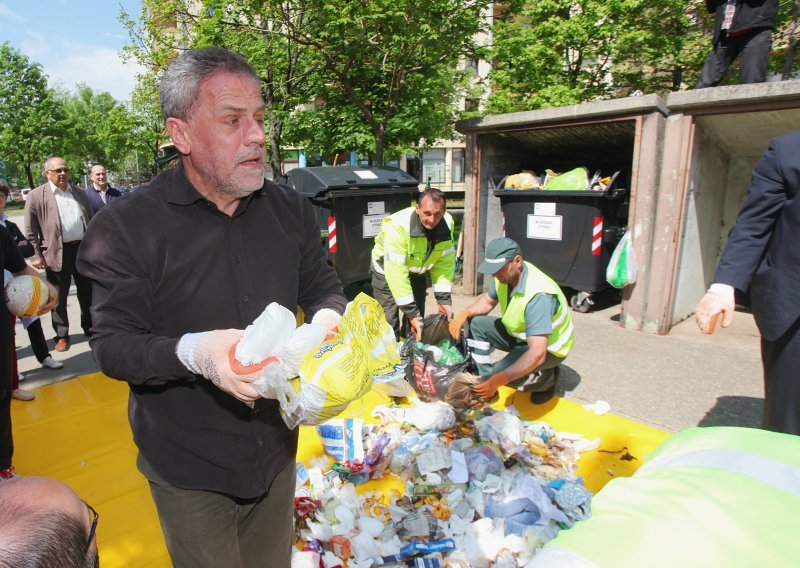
535	326
413	245
709	497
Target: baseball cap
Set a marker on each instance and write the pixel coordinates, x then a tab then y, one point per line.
498	252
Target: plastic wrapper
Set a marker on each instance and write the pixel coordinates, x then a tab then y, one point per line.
315	380
426	416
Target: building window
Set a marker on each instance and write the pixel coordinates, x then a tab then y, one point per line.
433	166
458	165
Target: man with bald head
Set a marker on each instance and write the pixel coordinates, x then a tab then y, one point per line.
45	524
99	191
56	216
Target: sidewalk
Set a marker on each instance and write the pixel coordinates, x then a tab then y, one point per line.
670	382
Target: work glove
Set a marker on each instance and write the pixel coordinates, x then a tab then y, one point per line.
211	354
330	319
488	388
447	311
458	322
416	327
718	300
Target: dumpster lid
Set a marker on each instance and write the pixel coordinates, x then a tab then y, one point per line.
319	179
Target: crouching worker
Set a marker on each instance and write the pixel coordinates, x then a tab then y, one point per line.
535	327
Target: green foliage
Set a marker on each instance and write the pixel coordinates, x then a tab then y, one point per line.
557	52
28	112
367	75
96	128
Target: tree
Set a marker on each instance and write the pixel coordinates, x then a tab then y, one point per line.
389	70
393	70
28	111
148	133
556	52
96	128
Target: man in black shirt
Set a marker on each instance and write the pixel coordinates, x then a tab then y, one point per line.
207	246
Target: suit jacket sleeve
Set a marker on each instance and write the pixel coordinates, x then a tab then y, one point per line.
750	236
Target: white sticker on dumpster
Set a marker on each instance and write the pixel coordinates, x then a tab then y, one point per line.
371	225
544	208
365	174
376	208
547	227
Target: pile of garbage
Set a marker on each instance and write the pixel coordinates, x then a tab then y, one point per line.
477	488
576	179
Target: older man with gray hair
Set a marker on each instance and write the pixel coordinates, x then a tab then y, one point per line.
56	217
207	246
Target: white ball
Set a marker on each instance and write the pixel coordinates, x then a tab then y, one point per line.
24	295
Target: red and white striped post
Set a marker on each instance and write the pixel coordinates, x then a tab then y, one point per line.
597	236
332	235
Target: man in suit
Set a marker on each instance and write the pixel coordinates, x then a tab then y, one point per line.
762	255
742	28
98	191
56	216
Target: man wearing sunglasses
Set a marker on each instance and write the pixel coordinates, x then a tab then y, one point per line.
56	216
45	523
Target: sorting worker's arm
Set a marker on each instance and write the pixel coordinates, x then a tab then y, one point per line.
526	364
480	307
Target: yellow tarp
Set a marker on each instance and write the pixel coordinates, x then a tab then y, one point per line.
77	431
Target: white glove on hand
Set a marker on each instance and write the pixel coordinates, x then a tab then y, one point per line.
718	300
211	354
329	318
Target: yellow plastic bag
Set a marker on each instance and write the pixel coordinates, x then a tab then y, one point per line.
343	369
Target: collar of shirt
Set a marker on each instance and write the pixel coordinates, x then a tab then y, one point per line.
182	192
54	187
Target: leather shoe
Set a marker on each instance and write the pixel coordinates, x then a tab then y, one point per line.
62	344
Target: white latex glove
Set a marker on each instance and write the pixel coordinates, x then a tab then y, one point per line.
211	354
329	318
718	300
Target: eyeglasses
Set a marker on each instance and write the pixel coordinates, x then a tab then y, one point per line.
95	518
60	170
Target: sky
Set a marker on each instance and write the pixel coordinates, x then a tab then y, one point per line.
74	40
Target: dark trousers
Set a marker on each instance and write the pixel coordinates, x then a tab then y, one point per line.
6	377
381	292
487	333
781	361
208	529
752	49
38	342
62	281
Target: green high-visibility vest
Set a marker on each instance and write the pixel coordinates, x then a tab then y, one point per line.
560	340
402	248
710	497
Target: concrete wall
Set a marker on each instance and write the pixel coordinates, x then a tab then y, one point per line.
689	159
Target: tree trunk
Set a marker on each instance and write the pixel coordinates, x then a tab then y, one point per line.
792	47
30	175
275	129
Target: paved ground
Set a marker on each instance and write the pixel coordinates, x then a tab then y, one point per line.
671	382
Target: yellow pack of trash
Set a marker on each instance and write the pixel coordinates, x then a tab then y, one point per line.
522	180
343	369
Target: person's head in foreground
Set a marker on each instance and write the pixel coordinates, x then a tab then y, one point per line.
45	525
